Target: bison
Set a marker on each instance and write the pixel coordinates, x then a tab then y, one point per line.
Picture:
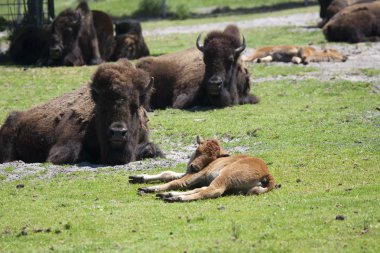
355	23
30	45
331	7
294	54
215	171
75	39
210	75
129	41
103	122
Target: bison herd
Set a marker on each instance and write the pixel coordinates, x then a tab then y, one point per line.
105	121
78	37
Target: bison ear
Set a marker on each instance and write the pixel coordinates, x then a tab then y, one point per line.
83	8
223	153
148	87
199	140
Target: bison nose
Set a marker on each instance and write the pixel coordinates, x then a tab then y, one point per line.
55	51
216	81
118	130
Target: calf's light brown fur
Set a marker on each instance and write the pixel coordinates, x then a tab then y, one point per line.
294	54
213	170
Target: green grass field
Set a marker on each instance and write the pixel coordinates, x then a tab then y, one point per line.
320	139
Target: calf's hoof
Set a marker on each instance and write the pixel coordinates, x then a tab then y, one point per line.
146	190
164	195
136	179
172	199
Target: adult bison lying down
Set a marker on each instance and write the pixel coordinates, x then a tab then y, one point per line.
76	37
129	41
355	23
212	168
331	7
103	122
213	75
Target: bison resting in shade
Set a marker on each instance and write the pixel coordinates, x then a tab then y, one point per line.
103	122
129	41
355	23
215	171
76	37
81	37
212	75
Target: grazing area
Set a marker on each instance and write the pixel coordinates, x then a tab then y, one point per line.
317	128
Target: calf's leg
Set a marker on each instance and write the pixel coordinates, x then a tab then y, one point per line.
165	176
188	180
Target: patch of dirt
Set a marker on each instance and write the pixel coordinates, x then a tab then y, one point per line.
300	20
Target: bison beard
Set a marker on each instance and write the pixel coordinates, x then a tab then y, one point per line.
213	75
104	122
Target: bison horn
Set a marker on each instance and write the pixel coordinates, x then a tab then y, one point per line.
199	46
242	47
149	86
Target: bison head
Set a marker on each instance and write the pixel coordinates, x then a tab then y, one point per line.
119	90
221	51
64	48
206	152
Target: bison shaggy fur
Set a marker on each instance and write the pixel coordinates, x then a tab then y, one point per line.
103	122
355	23
212	75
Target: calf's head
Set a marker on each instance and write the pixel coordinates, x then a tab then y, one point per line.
221	51
119	90
206	152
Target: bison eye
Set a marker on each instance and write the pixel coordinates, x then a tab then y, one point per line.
231	58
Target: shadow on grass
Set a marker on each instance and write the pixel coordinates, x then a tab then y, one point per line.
225	11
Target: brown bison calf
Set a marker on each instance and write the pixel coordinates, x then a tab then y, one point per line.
294	54
355	23
211	167
213	75
103	122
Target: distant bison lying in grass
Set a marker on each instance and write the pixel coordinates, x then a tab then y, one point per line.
76	37
103	122
331	7
294	54
216	171
355	23
213	75
129	41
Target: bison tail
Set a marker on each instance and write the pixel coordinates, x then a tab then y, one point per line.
271	183
267	184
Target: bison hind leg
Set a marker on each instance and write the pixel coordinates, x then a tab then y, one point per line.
65	153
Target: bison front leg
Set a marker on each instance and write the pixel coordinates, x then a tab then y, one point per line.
182	101
165	176
148	150
67	152
183	183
